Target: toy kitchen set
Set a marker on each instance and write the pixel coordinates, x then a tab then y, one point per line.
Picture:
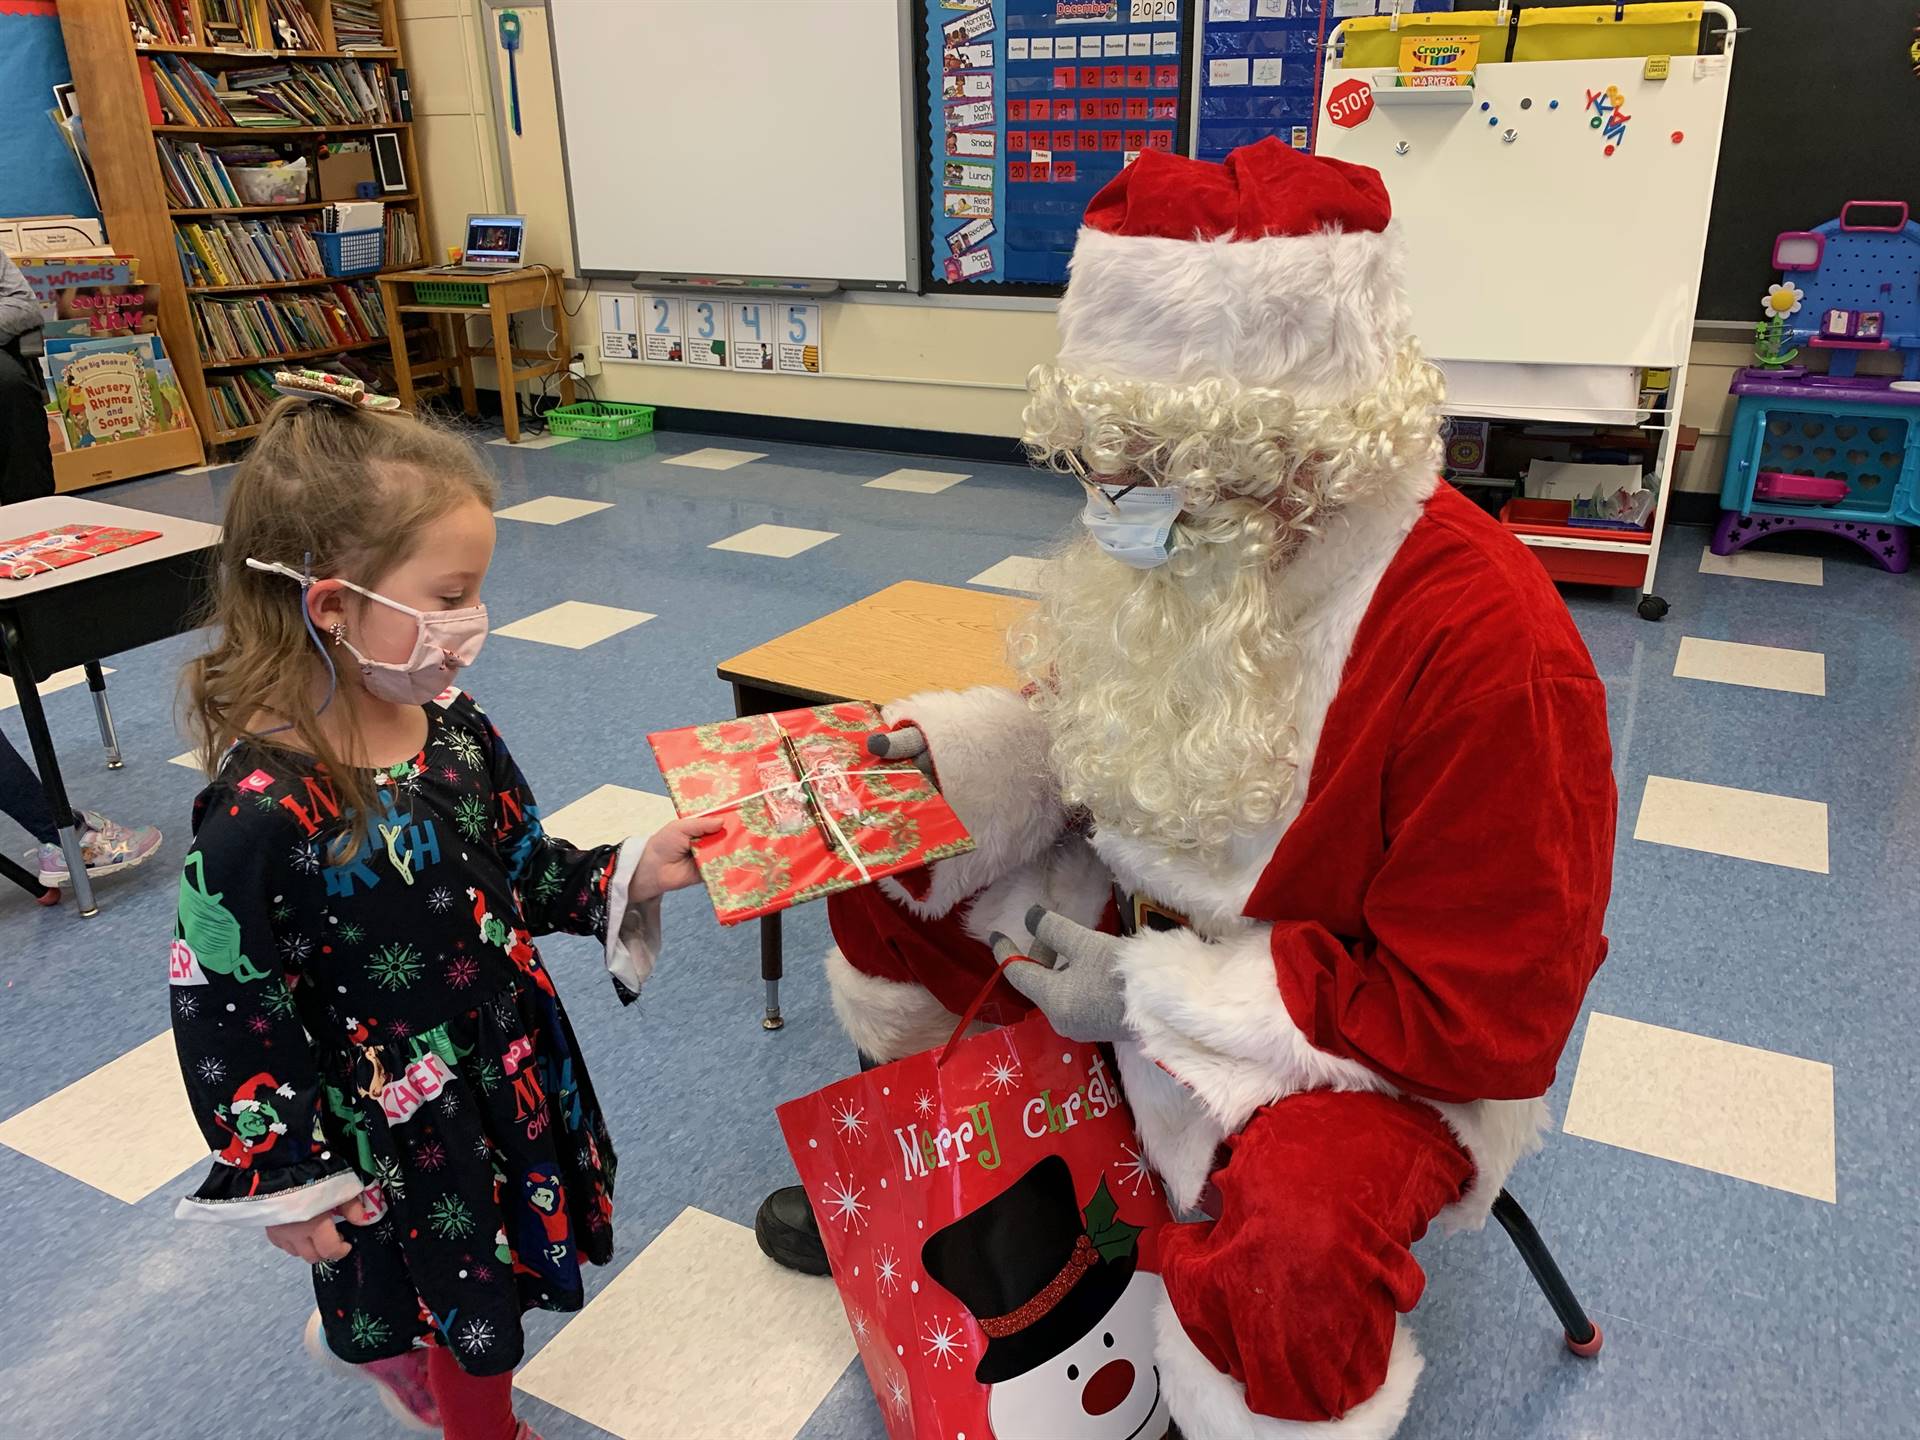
1828	449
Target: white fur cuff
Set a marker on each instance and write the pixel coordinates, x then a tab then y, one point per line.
990	757
281	1207
886	1019
1211	1013
1208	1405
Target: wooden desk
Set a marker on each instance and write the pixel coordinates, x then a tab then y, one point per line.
80	614
508	293
907	638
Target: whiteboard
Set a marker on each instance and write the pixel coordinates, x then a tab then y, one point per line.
1545	249
743	138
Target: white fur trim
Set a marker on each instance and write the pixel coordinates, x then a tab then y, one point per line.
990	754
1211	1012
1327	587
1498	1134
282	1207
1208	1405
886	1019
1068	878
633	931
1178	1135
1319	316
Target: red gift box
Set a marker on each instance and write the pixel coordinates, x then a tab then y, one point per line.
46	550
805	811
982	1209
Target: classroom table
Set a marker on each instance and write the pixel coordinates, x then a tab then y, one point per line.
904	639
81	614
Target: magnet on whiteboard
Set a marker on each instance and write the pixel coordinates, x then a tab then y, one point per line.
1553	104
1510	135
1526	104
1677	136
1493	119
1486	104
1400	147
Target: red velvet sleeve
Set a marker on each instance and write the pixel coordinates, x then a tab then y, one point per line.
1484	919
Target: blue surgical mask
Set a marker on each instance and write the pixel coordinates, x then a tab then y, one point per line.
1135	526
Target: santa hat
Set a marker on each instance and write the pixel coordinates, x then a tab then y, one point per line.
1275	270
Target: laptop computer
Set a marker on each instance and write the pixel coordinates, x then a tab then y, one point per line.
494	243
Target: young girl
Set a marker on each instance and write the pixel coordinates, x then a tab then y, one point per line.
366	1029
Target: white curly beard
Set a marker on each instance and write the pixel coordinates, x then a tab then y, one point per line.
1170	693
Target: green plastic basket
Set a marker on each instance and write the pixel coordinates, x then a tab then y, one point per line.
600	420
448	292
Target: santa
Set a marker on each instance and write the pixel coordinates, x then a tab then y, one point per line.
1306	808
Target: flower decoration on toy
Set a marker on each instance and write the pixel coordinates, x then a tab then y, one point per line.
1783	299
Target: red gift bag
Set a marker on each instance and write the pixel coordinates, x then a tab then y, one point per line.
982	1207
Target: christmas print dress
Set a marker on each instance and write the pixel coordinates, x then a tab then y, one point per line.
382	1027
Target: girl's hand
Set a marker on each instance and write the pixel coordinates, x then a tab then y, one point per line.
316	1240
666	861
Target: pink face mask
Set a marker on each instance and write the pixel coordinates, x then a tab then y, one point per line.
444	643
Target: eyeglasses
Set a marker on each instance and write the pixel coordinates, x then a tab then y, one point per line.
1080	474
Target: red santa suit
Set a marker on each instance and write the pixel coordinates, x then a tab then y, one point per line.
1350	1035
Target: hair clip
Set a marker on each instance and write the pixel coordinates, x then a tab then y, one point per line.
321	385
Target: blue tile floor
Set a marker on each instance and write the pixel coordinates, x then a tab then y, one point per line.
1731	1308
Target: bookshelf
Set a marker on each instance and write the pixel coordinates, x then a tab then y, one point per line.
347	38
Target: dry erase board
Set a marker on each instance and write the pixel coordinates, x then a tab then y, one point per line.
750	138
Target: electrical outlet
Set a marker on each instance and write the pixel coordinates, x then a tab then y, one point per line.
585	363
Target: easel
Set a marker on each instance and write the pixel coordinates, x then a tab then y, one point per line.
1555	214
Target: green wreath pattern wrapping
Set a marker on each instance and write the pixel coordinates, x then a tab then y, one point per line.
726	785
748	733
855	719
769	874
903	833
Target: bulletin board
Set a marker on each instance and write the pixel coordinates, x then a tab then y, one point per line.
38	175
1030	107
1577	241
1257	64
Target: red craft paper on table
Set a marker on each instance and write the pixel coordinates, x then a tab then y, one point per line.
46	550
777	847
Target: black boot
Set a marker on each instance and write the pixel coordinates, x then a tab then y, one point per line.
788	1233
785	1226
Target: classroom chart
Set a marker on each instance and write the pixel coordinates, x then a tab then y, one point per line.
714	332
1032	106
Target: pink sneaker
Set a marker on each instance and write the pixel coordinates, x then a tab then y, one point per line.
402	1379
107	848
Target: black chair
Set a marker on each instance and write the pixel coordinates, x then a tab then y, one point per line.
1583	1336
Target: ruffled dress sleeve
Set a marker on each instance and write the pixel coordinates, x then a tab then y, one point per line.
247	1060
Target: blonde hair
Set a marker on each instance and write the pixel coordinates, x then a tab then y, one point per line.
344	492
1170	694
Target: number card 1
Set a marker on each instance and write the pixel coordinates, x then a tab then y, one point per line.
663	341
797	352
620	326
707	333
752	335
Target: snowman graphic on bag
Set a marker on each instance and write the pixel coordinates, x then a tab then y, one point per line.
1067	1314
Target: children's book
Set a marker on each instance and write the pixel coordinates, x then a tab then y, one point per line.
47	550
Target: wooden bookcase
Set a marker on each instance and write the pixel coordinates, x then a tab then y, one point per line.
133	193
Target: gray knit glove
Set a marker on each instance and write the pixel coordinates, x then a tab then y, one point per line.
1075	979
907	743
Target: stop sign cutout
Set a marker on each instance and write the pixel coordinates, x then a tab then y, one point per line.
1350	103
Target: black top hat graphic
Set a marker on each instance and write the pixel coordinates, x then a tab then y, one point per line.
1024	1265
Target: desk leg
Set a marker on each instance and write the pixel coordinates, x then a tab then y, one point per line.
503	362
103	713
771	970
463	352
397	345
48	763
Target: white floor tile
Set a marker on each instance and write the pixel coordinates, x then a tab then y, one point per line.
1016	572
59	680
714	457
1765	565
608	815
574	624
916	482
1754	1114
782	542
188	761
1764	667
700	1338
538	442
154	1137
551	510
1746	824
